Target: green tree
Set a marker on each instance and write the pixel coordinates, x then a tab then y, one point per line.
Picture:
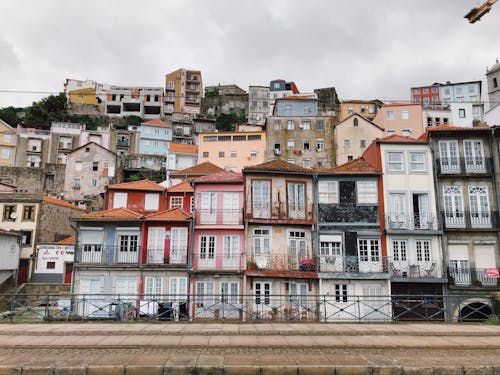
42	113
226	122
9	115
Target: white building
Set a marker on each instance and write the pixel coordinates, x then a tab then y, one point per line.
10	244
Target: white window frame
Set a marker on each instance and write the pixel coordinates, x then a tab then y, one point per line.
389	115
413	164
366	192
391	164
328	192
176	202
405	115
120	199
151	201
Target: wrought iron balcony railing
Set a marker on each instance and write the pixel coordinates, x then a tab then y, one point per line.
414	269
157	256
278	211
413	221
471	277
467	165
219	217
470	219
98	254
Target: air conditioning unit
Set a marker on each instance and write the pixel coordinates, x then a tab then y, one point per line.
277	151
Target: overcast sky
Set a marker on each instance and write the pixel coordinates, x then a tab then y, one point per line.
366	49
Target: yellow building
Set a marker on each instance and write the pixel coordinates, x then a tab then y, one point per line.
232	150
367	108
8	144
83	96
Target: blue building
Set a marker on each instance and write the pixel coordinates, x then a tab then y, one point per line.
155	137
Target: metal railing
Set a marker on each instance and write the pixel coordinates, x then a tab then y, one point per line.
219	217
255	307
411	268
278	211
467	165
98	254
217	262
412	221
471	277
470	219
157	256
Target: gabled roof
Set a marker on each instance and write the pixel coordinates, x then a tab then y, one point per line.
202	169
173	214
60	202
92	143
223	177
156	122
278	166
112	214
395	138
183	148
363	117
183	187
145	185
71	240
356	166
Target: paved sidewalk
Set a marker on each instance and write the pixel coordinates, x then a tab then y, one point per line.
225	348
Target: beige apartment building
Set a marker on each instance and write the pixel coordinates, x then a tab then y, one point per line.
232	150
8	143
367	108
183	91
352	136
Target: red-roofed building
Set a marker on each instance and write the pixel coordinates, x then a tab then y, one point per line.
181	156
279	218
140	256
410	222
141	196
182	196
198	170
219	238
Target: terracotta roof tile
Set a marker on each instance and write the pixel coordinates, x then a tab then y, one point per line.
60	202
202	169
173	214
395	104
112	214
157	122
183	187
458	128
395	138
138	185
224	176
277	166
356	166
68	241
183	148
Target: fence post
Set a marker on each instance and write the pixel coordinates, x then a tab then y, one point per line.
222	303
11	315
359	308
47	310
324	308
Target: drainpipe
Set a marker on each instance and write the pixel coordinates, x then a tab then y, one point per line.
74	257
191	255
493	151
440	218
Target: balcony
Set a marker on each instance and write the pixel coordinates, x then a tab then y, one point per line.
414	269
471	277
217	262
412	221
122	143
467	166
97	254
281	262
219	217
277	211
178	256
470	220
353	264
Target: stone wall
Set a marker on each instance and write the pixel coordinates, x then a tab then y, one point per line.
54	224
47	180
